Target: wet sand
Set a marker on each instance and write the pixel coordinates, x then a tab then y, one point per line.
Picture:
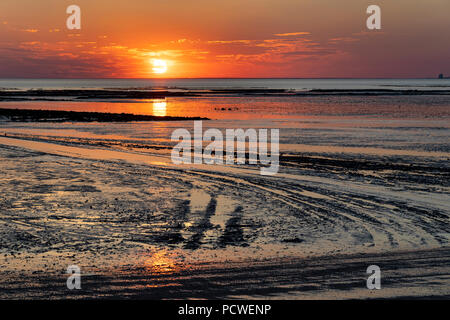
139	227
405	275
363	180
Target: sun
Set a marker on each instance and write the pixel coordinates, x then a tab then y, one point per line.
159	66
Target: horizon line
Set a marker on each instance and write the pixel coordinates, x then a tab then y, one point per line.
235	78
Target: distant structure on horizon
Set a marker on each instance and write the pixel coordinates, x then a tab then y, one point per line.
441	76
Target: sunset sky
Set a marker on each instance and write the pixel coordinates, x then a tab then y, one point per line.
215	38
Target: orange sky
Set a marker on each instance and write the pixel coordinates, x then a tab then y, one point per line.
233	38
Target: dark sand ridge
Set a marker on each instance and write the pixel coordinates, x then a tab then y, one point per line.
27	115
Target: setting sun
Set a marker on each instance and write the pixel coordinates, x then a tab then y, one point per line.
159	66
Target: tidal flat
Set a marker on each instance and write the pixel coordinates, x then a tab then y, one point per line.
354	189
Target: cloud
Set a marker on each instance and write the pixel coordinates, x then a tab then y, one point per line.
82	57
292	34
229	42
343	39
318	52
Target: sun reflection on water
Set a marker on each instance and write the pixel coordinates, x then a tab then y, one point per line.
162	263
159	108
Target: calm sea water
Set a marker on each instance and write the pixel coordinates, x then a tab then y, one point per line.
296	84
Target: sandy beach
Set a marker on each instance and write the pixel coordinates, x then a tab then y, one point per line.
107	198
